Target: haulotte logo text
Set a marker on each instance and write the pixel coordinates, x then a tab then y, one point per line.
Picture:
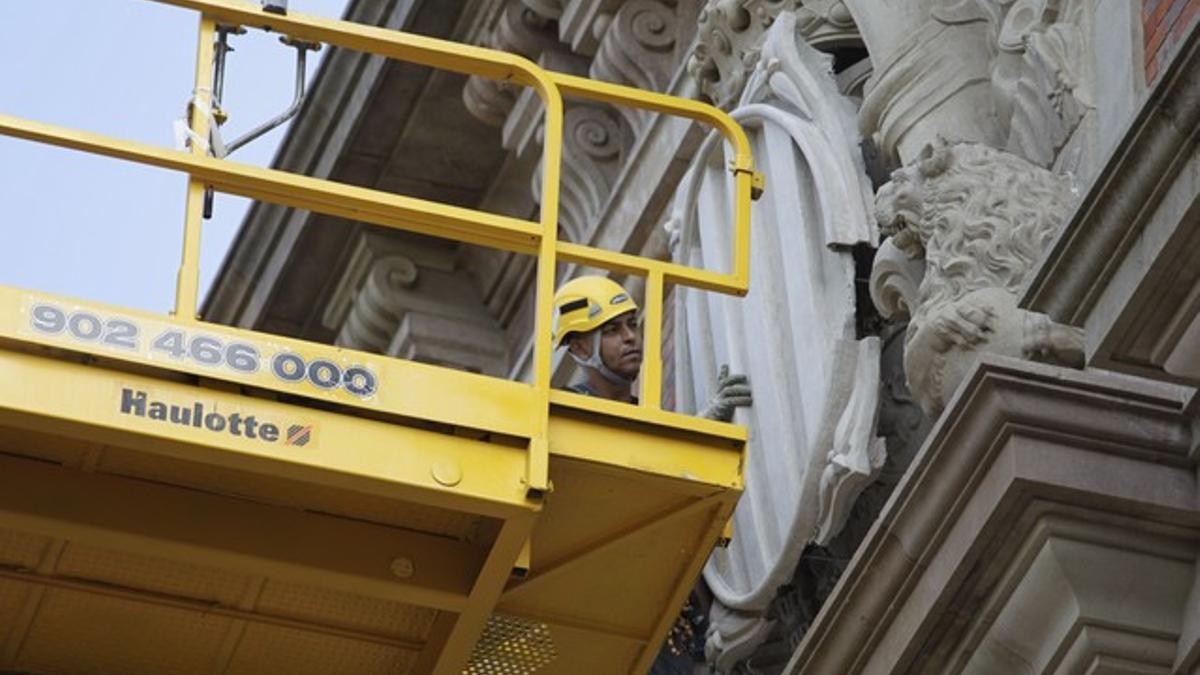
138	403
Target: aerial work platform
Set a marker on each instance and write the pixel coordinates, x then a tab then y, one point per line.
180	496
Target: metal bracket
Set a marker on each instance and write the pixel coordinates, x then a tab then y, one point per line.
220	149
275	6
758	183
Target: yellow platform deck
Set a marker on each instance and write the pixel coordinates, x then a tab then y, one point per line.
132	540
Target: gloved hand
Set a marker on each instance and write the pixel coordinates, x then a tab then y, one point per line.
733	391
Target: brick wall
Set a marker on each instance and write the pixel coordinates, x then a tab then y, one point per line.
1164	23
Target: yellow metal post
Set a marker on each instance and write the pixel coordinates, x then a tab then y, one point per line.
652	342
187	286
539	447
744	178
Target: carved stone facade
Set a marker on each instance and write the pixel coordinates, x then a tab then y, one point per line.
977	135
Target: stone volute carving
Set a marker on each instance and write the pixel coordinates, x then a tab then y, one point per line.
443	323
979	218
377	308
592	142
519	29
638	50
814	445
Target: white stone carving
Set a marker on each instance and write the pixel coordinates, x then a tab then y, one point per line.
592	152
932	74
816	386
731	34
981	218
1041	90
1007	73
895	279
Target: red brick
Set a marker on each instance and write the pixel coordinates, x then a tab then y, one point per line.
1155	41
1173	14
1184	23
1160	10
1181	22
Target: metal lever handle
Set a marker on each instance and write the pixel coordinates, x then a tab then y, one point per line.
302	48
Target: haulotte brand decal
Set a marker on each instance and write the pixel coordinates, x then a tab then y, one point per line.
139	403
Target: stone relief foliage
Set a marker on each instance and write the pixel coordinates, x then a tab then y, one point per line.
816	384
731	34
980	218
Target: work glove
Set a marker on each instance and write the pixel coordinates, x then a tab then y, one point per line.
733	391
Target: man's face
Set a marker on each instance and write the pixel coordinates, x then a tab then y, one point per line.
620	345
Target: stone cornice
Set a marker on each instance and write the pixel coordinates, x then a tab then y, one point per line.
1124	195
1067	420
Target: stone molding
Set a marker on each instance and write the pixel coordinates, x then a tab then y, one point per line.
1023	449
389	303
1140	208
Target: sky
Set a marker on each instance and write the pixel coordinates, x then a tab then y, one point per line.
102	229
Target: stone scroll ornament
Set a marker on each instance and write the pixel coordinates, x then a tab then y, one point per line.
968	224
812	446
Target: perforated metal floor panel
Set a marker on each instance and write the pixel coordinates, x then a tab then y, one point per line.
511	645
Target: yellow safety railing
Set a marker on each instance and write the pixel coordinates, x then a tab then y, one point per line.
456	223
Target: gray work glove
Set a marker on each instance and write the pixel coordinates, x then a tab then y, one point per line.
733	391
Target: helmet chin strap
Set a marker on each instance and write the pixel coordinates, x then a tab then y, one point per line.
594	362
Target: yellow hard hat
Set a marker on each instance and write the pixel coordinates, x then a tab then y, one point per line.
584	304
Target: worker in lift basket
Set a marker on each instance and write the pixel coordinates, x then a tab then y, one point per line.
597	322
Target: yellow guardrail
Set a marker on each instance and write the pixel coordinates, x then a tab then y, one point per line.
539	238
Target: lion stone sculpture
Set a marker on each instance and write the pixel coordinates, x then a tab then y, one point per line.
980	218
